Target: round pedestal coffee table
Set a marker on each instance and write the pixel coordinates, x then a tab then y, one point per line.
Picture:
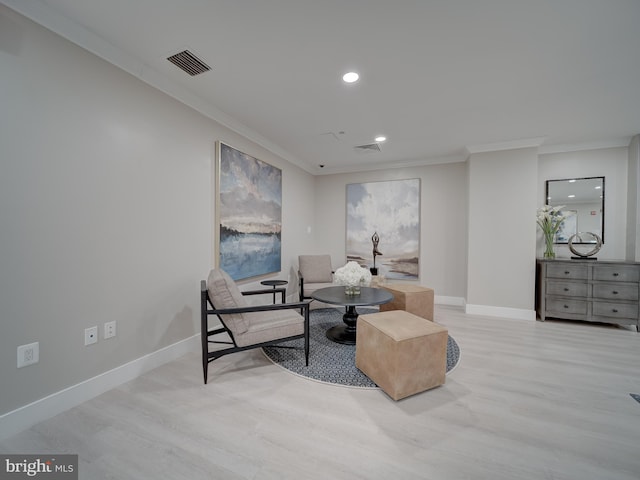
346	334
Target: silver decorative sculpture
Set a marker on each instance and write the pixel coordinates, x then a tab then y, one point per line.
578	236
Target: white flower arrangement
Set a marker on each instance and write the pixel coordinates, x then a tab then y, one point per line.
352	274
550	220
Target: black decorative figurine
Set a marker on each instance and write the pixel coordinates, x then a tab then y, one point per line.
375	239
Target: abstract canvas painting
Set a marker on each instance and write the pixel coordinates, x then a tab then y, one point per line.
249	214
392	210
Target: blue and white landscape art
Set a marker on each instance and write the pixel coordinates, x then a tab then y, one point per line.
249	255
250	204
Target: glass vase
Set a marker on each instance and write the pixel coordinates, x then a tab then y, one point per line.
352	290
548	242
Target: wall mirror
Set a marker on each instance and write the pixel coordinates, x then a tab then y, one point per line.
583	199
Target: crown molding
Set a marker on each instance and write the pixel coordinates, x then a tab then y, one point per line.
576	147
534	142
390	165
538	142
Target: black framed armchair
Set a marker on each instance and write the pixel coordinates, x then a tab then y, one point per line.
243	326
314	272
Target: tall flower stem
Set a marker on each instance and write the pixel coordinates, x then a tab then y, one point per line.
548	240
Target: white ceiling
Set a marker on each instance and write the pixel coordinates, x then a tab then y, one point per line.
439	78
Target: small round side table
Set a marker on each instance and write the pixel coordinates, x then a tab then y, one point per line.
274	284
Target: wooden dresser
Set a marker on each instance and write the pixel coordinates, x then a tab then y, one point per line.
590	290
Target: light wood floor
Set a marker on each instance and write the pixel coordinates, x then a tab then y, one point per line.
529	400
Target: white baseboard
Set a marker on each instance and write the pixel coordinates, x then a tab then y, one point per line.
454	301
506	312
28	415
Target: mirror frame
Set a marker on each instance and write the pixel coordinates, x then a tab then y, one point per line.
546	201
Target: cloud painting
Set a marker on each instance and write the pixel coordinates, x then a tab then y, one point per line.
392	209
250	214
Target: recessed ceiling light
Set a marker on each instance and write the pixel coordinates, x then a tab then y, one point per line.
598	187
571	181
571	196
350	77
380	138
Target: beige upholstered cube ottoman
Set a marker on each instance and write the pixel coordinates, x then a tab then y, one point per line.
402	353
412	298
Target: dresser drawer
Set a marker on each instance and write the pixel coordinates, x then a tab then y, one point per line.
615	310
559	305
612	291
568	289
566	270
616	273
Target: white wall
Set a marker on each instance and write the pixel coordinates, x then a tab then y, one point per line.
610	163
105	211
502	235
442	223
633	201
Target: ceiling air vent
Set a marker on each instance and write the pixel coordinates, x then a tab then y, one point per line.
188	62
371	147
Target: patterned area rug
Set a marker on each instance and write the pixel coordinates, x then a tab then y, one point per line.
332	362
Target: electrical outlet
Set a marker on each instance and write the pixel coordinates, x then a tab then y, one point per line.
28	354
110	329
90	335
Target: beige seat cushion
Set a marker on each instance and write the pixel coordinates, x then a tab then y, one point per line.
252	327
267	326
309	288
315	268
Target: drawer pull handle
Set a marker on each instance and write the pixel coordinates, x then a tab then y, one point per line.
567	273
614	310
615	292
616	274
566	306
566	289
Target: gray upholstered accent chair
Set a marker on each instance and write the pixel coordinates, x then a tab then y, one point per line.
314	272
243	326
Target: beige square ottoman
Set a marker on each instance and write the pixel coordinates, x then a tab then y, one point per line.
412	298
402	353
